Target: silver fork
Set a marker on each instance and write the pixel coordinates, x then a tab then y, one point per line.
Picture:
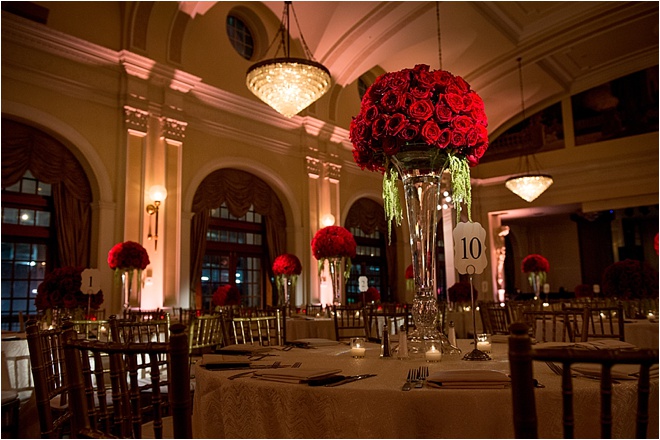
408	385
422	374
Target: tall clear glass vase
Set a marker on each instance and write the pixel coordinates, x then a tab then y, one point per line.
420	168
286	285
337	277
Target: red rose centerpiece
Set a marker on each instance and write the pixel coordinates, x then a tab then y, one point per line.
372	295
126	258
334	243
630	279
460	292
286	269
417	123
536	267
61	289
227	295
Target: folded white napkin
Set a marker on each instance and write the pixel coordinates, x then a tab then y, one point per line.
219	361
316	342
294	375
468	379
619	371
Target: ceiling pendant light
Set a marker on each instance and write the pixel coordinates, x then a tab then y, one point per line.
530	183
287	84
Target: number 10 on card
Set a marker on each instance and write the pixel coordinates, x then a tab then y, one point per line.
469	248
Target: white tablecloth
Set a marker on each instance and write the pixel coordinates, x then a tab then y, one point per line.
377	408
641	333
303	328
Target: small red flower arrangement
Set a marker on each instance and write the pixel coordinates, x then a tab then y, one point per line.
409	272
227	295
128	256
287	264
61	289
333	242
535	263
460	292
630	279
372	295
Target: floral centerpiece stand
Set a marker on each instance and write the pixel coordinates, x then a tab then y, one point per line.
125	259
536	267
418	124
59	295
286	268
334	243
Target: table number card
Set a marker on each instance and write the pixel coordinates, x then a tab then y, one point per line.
91	281
469	248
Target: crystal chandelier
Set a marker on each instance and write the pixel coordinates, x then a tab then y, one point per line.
531	183
287	84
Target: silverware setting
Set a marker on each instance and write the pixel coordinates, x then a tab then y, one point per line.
349	379
409	379
415	378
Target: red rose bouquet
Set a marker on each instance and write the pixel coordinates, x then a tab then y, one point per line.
630	279
460	292
227	295
536	267
287	264
128	256
333	242
372	295
420	106
61	289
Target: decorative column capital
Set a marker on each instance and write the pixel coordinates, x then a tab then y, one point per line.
332	171
173	129
313	167
136	119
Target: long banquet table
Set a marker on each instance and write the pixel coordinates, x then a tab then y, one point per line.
378	408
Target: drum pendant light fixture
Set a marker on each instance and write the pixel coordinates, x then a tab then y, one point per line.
288	84
531	183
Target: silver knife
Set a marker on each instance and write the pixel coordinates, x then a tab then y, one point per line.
349	379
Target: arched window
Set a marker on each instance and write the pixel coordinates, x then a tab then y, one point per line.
46	214
237	230
375	259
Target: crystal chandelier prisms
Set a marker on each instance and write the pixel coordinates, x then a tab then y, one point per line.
529	187
288	85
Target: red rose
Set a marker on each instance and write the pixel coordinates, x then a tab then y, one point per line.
371	113
461	124
398	81
391	101
443	113
379	126
454	101
409	272
395	124
460	292
421	110
372	295
430	132
444	138
227	295
535	263
128	255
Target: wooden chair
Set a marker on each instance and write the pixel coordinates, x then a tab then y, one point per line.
148	330
92	329
136	410
314	309
374	320
349	322
264	330
602	322
554	326
50	382
146	315
204	334
495	317
11	405
521	356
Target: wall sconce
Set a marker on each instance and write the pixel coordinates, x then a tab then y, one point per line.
157	193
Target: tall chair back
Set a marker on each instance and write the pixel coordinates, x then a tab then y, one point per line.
349	322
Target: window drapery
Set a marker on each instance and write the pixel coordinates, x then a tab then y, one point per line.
369	216
238	190
26	148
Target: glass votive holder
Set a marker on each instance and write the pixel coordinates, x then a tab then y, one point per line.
483	342
433	352
358	347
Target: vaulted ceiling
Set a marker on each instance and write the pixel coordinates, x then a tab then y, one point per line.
566	47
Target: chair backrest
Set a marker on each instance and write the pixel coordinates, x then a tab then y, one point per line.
92	329
555	326
521	355
602	322
128	330
50	381
349	322
314	310
266	329
395	317
204	333
495	317
133	403
184	316
146	315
